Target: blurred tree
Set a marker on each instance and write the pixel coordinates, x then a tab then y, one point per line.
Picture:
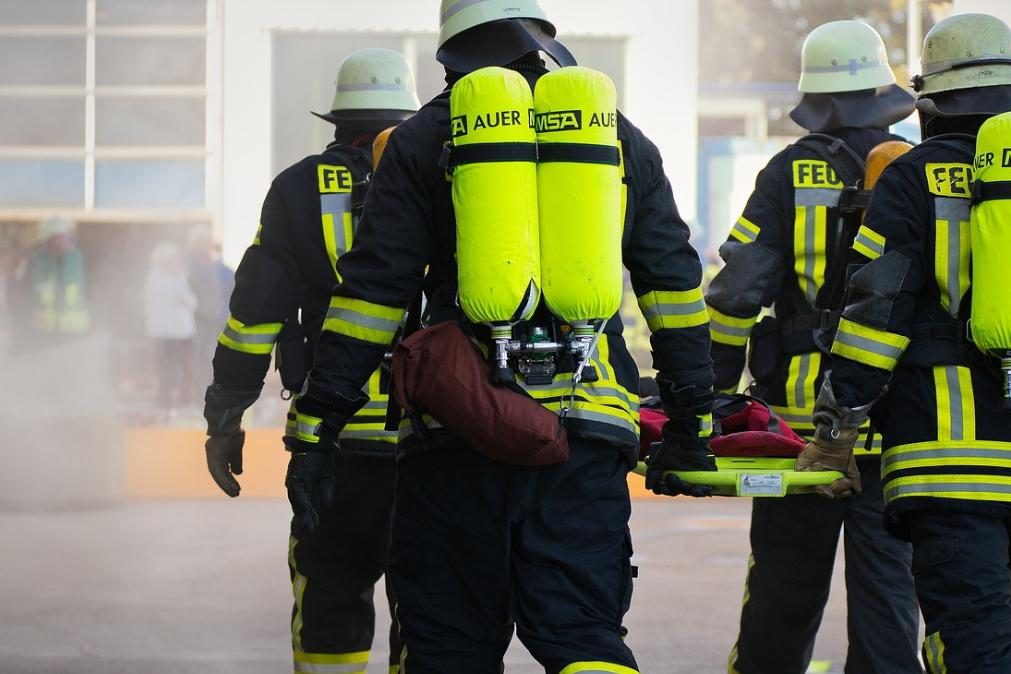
760	40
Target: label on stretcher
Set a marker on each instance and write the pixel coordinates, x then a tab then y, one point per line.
760	484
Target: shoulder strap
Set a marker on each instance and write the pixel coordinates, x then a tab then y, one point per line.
847	164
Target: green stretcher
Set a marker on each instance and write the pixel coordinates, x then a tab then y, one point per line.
756	477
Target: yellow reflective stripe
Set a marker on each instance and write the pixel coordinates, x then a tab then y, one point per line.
869	243
298	584
255	339
331	663
732	661
955	486
256	238
394	669
968	403
951	251
933	649
307	428
801	375
673	309
597	667
335	248
730	330
705	425
870	346
956	414
954	453
745	230
374	323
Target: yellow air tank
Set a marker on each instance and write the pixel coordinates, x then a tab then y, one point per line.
990	241
991	236
494	172
579	194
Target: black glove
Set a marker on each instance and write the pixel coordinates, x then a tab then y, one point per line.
224	458
223	410
310	485
679	450
310	478
682	449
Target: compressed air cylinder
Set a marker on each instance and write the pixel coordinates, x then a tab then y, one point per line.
990	229
579	193
495	196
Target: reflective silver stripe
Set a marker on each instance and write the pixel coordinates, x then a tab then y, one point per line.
744	232
364	320
953	211
869	243
895	491
336	205
307	429
458	7
341	668
813	197
954	402
589	391
893	458
587	415
716	326
803	370
380	405
933	652
249	337
816	196
865	344
372	86
678	309
348	434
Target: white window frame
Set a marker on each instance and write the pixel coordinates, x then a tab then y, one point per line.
209	152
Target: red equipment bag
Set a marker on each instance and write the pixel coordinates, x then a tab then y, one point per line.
743	427
440	372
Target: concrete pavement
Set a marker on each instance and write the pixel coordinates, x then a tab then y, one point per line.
187	587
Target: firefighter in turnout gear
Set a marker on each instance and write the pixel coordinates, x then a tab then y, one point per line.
904	342
788	250
337	550
479	545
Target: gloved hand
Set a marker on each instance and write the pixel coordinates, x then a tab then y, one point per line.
836	431
310	477
682	448
223	411
224	458
310	485
678	453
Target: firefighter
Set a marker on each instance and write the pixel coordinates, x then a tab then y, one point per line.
903	345
478	544
282	289
788	250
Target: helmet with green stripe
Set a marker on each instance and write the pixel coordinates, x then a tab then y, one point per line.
373	85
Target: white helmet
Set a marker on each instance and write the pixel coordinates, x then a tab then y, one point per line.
373	84
844	56
846	80
478	33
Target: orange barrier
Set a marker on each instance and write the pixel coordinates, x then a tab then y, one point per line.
169	463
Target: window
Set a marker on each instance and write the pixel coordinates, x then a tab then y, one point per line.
131	132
